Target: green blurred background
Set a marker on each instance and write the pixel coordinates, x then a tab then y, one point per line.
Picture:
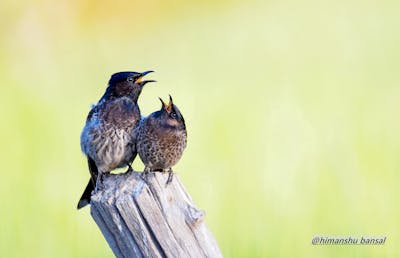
292	110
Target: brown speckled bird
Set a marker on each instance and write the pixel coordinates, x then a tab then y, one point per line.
161	139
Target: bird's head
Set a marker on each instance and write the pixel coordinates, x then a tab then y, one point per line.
171	116
129	84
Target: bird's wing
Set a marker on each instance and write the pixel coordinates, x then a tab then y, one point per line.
94	110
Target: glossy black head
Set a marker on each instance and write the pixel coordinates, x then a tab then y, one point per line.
129	84
170	115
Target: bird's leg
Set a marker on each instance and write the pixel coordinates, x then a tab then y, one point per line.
145	173
99	182
170	176
129	168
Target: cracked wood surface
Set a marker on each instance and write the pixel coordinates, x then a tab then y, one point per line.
151	219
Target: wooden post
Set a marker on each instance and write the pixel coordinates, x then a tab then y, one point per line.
151	219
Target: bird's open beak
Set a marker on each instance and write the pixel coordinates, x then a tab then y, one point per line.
140	79
167	107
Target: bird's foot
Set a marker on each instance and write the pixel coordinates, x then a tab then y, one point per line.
130	169
170	176
145	173
100	182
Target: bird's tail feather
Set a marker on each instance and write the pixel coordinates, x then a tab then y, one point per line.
85	199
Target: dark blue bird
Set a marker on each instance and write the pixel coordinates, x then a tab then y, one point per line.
107	138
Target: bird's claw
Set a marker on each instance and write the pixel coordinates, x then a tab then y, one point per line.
99	183
170	176
145	174
130	169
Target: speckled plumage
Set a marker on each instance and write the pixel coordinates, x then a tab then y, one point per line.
107	137
161	138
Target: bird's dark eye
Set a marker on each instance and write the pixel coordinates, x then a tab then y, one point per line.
130	79
173	115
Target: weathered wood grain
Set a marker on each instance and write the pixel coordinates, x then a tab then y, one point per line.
151	219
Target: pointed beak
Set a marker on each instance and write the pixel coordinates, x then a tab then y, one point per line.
140	79
142	83
144	73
